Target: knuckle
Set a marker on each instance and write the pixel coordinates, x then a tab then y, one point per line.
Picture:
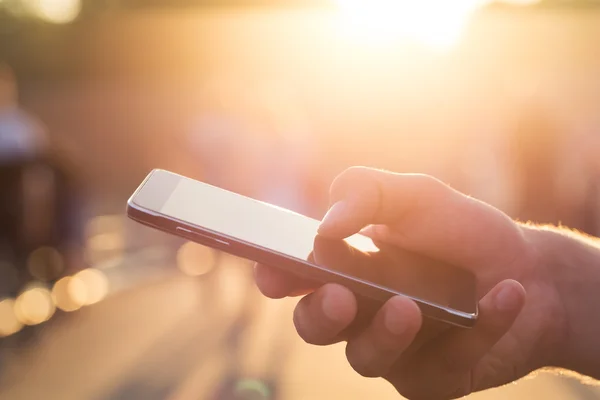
309	326
302	323
428	185
351	176
363	363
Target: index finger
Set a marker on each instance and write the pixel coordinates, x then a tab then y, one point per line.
276	283
421	214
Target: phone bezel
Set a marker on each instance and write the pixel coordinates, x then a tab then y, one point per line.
144	205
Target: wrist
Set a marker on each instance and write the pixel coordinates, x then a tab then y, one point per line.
567	263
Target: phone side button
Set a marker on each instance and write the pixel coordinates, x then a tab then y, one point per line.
224	243
201	236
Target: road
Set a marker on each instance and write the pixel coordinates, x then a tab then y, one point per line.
177	337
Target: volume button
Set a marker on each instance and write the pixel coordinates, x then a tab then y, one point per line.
180	229
201	236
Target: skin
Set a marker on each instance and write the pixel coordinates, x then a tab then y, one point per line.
530	306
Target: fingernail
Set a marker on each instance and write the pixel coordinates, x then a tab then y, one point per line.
335	213
369	231
508	298
393	321
330	308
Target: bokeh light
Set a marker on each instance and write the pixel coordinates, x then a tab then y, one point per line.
96	285
104	223
521	2
69	294
252	389
55	11
106	242
34	306
45	263
194	259
435	23
105	239
9	323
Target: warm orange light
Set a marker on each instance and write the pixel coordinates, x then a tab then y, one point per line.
106	242
362	243
9	324
105	239
69	294
103	247
194	259
104	224
34	306
522	2
96	285
435	23
55	11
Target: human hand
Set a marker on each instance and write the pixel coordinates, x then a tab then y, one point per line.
520	314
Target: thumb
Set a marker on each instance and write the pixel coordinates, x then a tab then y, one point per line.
425	216
448	360
344	218
363	196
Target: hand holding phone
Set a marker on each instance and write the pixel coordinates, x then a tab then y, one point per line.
274	236
410	341
421	358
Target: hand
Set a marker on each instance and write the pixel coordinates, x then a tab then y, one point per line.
521	319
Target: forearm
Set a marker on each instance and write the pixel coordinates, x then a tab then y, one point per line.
573	262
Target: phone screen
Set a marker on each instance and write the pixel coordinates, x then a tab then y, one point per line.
294	235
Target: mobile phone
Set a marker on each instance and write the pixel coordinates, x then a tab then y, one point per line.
271	235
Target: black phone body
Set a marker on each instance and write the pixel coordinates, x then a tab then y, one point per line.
270	235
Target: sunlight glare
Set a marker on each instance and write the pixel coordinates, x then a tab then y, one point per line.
55	11
435	23
362	243
521	2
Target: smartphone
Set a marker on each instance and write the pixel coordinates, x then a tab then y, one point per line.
274	236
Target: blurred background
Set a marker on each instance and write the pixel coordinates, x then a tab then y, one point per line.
271	99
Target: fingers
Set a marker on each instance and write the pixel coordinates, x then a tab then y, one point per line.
373	352
423	214
361	196
456	354
321	316
277	283
498	310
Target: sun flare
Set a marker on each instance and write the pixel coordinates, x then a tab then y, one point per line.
434	23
